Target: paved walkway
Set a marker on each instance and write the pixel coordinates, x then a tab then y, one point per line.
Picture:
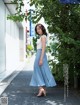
20	93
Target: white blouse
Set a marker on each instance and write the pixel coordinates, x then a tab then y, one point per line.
39	43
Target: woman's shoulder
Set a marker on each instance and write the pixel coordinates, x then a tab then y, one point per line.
43	36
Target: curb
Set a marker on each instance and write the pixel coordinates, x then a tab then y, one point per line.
7	80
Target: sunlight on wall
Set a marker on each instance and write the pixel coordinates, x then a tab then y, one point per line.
11	52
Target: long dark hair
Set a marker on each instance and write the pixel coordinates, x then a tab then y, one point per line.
42	28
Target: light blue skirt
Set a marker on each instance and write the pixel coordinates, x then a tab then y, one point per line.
42	75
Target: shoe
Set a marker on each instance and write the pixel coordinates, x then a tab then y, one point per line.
44	93
41	93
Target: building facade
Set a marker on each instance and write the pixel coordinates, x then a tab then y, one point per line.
12	41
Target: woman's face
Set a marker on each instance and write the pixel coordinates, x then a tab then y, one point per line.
39	31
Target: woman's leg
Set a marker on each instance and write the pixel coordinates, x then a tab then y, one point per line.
44	88
42	91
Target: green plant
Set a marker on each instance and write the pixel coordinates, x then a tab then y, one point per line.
64	22
29	50
19	15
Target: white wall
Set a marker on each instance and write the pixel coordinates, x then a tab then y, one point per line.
2	38
21	44
11	43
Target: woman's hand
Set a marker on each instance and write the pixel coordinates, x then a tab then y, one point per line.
40	62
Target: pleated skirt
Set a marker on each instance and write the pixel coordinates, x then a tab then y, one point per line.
42	75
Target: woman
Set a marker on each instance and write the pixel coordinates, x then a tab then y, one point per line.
42	76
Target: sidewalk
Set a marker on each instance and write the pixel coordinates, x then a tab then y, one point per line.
9	72
10	75
19	92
